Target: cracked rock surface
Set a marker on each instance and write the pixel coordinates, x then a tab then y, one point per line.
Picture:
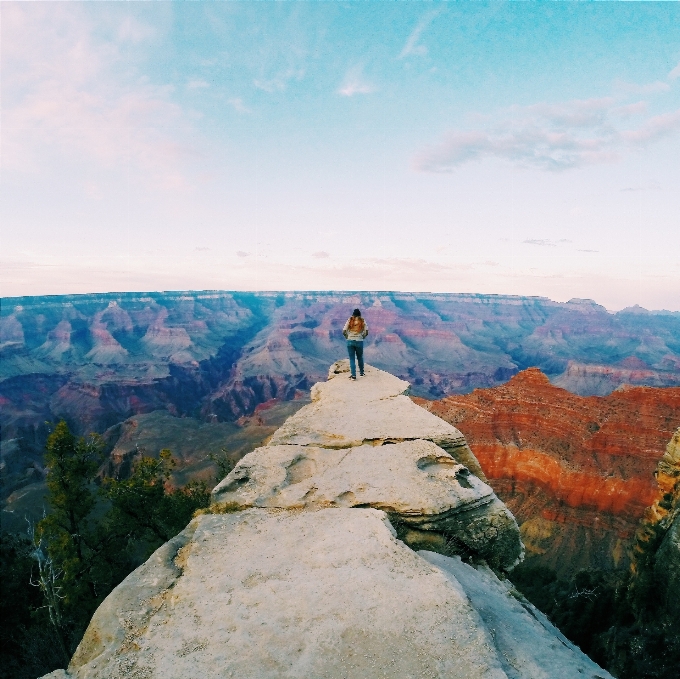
415	482
307	566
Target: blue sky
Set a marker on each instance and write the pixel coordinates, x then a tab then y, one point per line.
515	148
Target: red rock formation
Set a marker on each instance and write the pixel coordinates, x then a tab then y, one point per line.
578	472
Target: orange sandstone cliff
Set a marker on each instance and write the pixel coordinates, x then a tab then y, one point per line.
577	472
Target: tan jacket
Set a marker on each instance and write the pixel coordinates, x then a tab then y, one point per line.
356	336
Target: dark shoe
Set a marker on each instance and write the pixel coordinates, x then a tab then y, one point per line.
361	375
351	377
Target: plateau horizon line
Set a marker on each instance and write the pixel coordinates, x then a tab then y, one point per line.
352	295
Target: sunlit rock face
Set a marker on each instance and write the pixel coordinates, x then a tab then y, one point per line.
662	520
374	410
304	566
577	472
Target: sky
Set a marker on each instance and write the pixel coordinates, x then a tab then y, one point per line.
506	148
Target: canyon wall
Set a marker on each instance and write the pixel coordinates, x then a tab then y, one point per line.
97	360
577	472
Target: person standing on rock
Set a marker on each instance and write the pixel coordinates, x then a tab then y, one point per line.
355	331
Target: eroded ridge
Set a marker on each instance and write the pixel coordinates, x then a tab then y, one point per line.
366	444
373	410
306	566
432	500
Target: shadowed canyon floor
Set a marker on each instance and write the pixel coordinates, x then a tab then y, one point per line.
301	567
191	441
577	472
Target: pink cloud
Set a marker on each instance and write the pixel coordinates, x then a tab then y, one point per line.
638	108
655	128
549	136
355	83
69	97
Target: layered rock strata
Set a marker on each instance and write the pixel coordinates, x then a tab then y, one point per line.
299	571
577	472
97	360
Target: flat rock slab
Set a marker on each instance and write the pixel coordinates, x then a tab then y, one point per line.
413	478
375	385
342	424
528	644
346	413
279	594
416	482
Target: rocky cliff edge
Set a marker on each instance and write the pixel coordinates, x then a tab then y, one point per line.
306	565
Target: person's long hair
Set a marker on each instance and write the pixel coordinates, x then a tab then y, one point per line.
356	324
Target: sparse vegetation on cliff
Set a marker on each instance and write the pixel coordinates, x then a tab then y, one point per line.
95	533
603	613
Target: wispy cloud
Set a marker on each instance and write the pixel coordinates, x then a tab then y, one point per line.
539	241
321	254
241	253
355	83
654	186
279	81
411	47
237	104
630	110
198	84
551	136
546	242
675	73
134	31
68	95
655	87
654	129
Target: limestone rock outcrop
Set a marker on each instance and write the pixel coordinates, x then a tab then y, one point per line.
366	444
432	499
341	416
302	568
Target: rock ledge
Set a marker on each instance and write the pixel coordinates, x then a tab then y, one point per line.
306	566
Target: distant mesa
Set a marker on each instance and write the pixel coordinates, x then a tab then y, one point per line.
214	356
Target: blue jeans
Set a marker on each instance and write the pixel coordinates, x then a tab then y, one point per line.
355	348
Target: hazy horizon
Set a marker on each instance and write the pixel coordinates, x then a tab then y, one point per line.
349	294
504	148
